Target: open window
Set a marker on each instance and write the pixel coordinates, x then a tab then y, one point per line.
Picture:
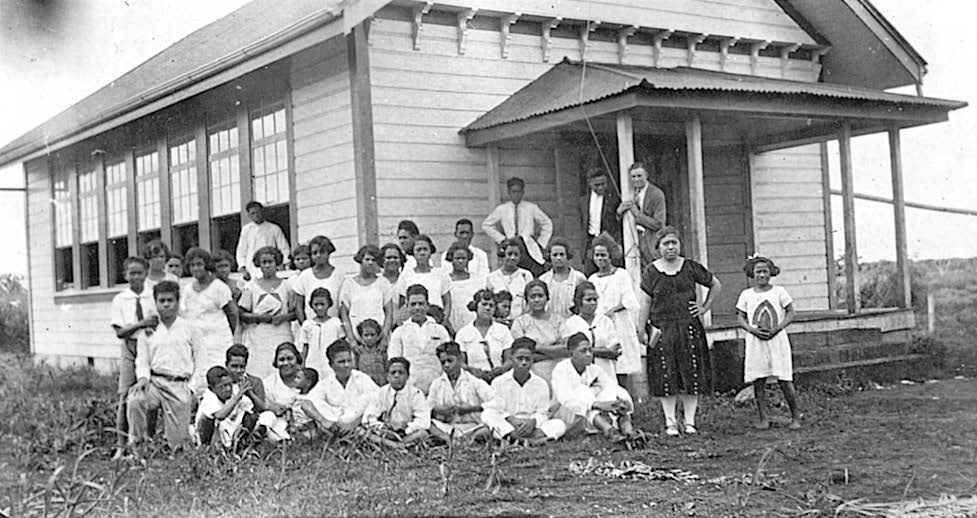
88	213
225	186
183	195
64	266
117	209
147	198
269	164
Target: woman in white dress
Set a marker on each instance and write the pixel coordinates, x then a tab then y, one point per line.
266	311
366	296
464	284
485	342
617	300
544	327
207	303
393	265
597	327
510	277
562	279
279	393
322	274
424	273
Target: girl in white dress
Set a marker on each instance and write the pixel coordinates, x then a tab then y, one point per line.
206	302
765	311
322	274
542	326
266	311
597	327
464	284
485	342
562	280
434	279
510	277
617	300
366	296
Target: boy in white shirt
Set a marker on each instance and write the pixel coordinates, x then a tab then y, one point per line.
225	407
418	338
479	264
400	414
458	400
133	310
164	364
523	400
348	392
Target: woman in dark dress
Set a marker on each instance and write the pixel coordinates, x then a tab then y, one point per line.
678	356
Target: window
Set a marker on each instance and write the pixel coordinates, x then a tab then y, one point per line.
117	210
183	192
88	203
269	152
225	173
147	191
64	271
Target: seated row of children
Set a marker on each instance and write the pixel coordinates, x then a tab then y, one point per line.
297	402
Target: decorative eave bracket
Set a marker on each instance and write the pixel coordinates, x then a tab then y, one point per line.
417	22
755	49
547	28
785	57
692	41
622	41
505	36
464	20
585	31
724	45
656	41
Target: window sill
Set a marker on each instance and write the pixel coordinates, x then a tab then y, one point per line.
87	295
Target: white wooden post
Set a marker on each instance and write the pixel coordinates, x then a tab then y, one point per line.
852	296
494	194
904	286
696	241
625	157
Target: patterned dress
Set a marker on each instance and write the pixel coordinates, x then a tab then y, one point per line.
679	363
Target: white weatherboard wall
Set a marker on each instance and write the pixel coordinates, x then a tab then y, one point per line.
422	98
788	221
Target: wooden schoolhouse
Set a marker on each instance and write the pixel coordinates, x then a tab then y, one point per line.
344	117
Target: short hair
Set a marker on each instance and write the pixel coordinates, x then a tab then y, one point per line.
536	283
268	250
300	250
450	348
401	360
252	204
523	342
638	165
578	293
409	226
224	255
595	172
393	246
289	346
502	296
175	255
576	339
480	295
320	293
166	287
666	231
427	239
450	254
236	351
215	374
320	242
337	347
757	259
154	248
311	374
515	180
365	250
512	241
605	240
199	253
416	289
559	241
368	324
137	260
464	221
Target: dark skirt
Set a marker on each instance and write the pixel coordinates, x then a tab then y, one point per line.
680	362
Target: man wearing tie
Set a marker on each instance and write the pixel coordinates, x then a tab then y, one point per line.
597	215
648	207
518	218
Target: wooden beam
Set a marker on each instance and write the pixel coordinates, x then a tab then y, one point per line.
76	219
829	242
358	55
560	229
203	183
852	296
911	204
625	157
293	207
132	205
103	220
244	159
493	179
697	203
165	188
904	286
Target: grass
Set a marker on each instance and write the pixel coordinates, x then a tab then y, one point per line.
885	445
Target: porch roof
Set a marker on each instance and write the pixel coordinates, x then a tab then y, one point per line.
572	91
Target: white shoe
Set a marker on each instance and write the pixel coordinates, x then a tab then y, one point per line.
671	431
690	430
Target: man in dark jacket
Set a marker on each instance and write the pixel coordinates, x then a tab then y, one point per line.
597	214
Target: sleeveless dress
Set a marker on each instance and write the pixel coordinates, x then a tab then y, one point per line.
205	311
680	362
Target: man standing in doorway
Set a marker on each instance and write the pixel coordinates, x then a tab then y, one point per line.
520	219
259	233
597	214
648	207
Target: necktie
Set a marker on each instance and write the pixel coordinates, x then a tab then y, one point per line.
390	412
488	355
515	217
139	313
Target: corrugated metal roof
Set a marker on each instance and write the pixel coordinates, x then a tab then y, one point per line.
252	23
569	84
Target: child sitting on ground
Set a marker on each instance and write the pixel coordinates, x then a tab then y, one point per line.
371	356
765	311
400	414
343	397
236	362
503	308
589	395
457	399
225	407
308	417
319	331
523	399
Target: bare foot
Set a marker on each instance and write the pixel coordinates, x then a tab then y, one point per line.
762	425
795	424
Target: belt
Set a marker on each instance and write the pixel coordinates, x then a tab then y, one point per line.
170	377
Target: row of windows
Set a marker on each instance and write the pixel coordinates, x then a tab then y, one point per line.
269	182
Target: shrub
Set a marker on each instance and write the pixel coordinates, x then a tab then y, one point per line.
14	332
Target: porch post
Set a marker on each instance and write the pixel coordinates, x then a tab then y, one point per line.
904	286
625	157
697	201
852	297
493	181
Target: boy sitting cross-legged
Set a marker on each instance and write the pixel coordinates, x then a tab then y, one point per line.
523	400
225	407
400	414
346	394
457	399
164	364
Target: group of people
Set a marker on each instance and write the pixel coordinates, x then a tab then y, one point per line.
404	349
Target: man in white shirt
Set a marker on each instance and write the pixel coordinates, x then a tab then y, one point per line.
523	399
479	265
255	235
648	207
597	215
348	392
520	219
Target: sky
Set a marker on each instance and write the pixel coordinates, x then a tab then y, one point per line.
56	52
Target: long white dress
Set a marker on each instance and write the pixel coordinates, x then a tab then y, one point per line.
462	292
262	339
306	282
602	335
204	310
612	290
766	358
365	302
